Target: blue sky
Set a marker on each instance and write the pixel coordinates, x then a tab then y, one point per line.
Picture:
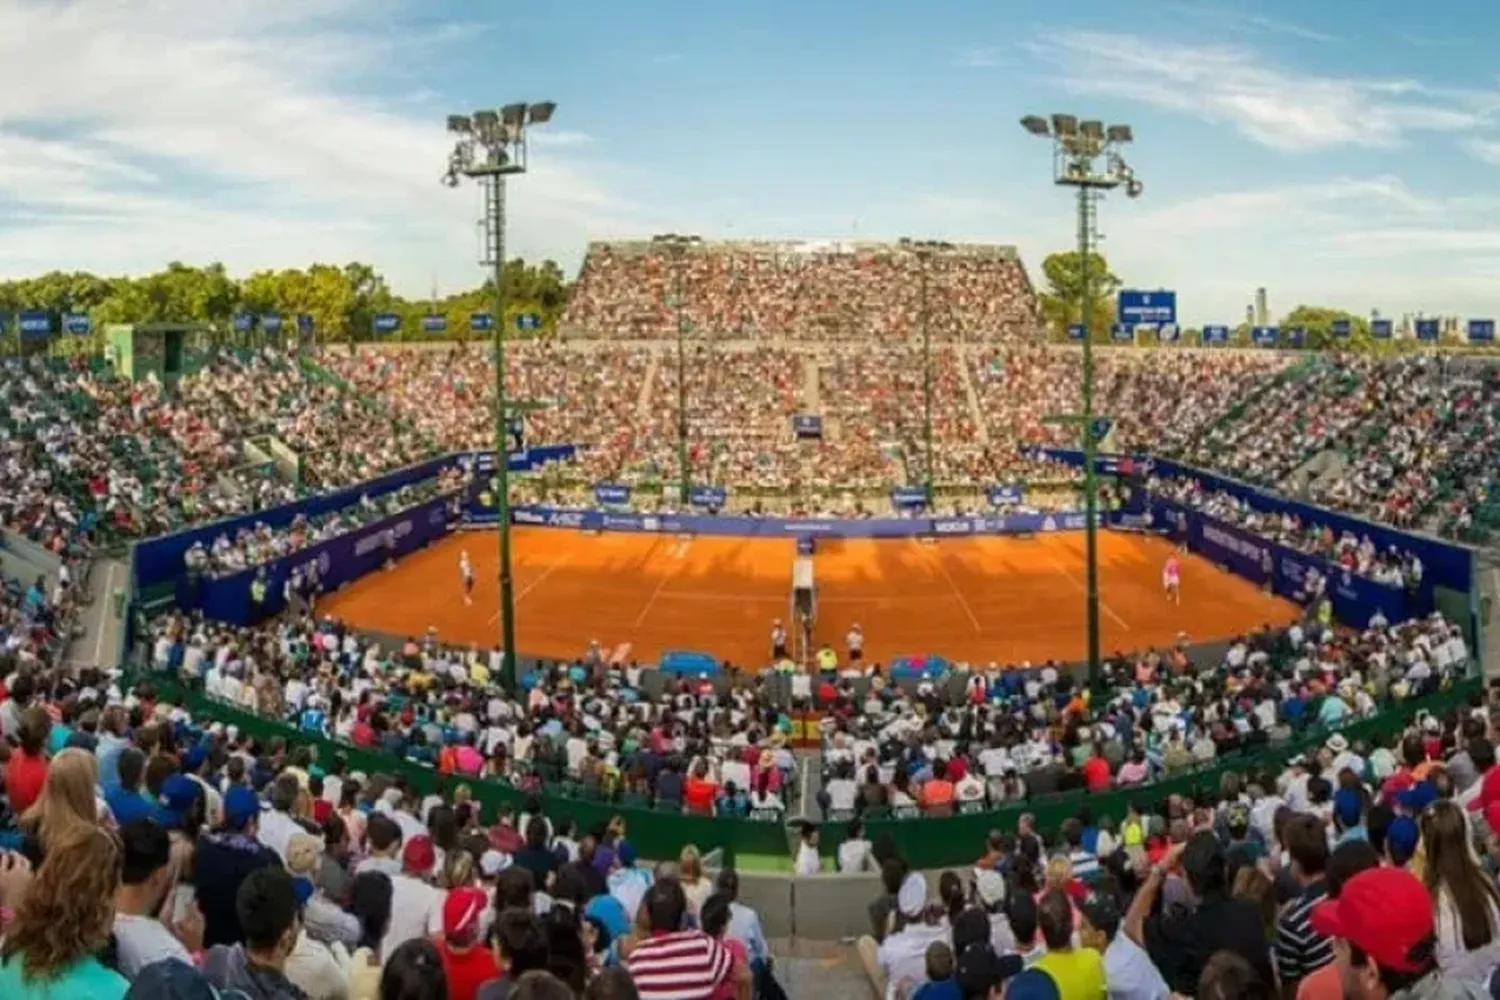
1338	153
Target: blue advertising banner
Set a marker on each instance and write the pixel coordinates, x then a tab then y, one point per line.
1481	331
243	322
34	324
1216	336
271	323
1445	564
1122	333
528	321
1428	329
160	559
432	323
611	494
1341	328
777	527
1355	599
909	496
480	322
1006	495
337	562
707	496
1382	329
1075	331
1265	336
1134	306
807	426
78	324
1296	336
385	322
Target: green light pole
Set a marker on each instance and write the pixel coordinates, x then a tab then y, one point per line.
491	146
1086	156
677	245
924	249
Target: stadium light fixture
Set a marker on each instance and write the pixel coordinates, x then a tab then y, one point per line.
1087	157
491	145
1036	125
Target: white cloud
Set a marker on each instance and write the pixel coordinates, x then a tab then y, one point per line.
231	130
1276	106
978	57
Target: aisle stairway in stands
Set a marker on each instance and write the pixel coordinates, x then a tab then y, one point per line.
971	393
812	395
643	405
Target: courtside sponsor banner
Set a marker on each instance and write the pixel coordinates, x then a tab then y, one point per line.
773	527
611	493
338	561
953	526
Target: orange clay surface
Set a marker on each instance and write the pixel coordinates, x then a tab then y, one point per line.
977	600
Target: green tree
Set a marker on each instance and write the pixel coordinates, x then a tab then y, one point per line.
1062	300
1318	322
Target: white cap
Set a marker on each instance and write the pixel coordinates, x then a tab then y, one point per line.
493	862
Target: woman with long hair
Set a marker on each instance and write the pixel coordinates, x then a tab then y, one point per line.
68	803
1464	897
63	921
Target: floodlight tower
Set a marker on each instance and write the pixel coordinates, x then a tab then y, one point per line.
1086	156
489	146
678	246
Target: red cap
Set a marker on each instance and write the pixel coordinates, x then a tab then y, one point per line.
418	855
1489	791
1385	912
461	911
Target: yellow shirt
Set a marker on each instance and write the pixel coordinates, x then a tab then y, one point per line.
1078	972
827	660
479	674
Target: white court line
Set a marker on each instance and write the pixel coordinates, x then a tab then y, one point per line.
1082	589
534	584
682	550
942	568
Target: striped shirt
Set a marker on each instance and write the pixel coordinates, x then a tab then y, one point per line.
683	965
1299	950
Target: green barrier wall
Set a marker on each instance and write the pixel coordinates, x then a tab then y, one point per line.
925	843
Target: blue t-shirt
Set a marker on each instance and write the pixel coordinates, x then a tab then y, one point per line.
86	980
939	989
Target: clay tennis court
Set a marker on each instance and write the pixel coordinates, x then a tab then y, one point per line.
976	599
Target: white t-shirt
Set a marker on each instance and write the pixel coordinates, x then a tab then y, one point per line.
412	905
143	941
856	856
903	957
807	860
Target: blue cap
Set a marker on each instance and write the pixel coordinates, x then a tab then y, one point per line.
194	758
179	792
1347	806
1417	797
625	851
1401	838
304	888
241	805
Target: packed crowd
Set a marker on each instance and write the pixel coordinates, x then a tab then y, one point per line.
1029	731
153	854
86	455
804	291
260	543
151	858
1366	871
1353	554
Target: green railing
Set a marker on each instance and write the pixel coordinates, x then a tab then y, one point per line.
924	842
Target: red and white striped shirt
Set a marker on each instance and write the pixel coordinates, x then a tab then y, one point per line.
681	965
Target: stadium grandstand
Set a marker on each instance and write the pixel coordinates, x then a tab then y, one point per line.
251	602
